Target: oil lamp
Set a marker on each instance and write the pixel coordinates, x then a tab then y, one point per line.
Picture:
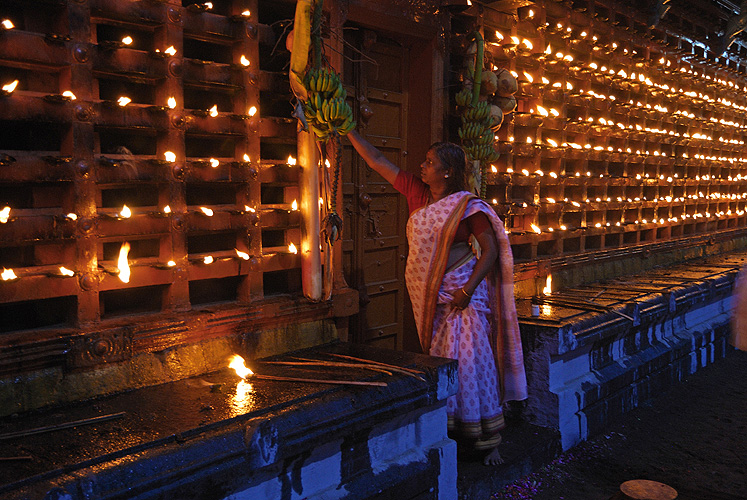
122	263
10	87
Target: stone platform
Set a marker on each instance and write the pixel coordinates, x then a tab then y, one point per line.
218	437
599	350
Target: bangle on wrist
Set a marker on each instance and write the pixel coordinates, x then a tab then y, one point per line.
468	295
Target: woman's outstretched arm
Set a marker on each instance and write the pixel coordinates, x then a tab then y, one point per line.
373	157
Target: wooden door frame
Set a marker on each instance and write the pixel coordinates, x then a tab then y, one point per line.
427	71
427	64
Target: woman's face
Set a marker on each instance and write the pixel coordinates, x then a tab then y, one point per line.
432	171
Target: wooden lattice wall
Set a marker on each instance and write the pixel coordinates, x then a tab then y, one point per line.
625	137
199	155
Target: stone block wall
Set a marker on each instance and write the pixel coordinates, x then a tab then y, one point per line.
588	368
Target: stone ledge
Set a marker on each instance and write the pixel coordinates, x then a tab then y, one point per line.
588	360
187	439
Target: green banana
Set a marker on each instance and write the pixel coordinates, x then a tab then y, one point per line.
463	97
347	128
319	132
325	111
346	123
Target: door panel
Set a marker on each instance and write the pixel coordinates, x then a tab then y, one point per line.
375	245
381	265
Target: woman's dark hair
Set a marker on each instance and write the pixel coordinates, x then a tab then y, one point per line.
453	159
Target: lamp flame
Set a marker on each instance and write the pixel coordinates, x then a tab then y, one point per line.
253	111
244	60
171	102
8	275
237	364
208	259
294	205
4	215
291	160
207	211
536	228
69	95
548	285
241	254
66	272
170	51
10	87
292	248
122	264
170	157
214	163
214	110
126	213
246	157
127	40
8	24
124	101
167	209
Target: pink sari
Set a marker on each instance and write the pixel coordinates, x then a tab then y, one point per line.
483	337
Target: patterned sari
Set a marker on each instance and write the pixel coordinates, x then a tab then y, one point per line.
483	337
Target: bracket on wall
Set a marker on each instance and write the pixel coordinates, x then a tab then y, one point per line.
97	348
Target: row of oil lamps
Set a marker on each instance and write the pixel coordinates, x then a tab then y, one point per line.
526	45
619	199
662	110
123	101
602	70
661	221
123	271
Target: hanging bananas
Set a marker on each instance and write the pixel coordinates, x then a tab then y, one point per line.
325	110
476	132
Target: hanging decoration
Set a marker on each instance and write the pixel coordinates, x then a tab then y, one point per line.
324	109
480	118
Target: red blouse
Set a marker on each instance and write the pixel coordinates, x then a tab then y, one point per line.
416	192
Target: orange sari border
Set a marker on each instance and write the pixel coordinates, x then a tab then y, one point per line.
438	267
505	336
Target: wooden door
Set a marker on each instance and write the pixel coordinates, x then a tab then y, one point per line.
374	241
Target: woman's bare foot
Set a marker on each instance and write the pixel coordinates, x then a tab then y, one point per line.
493	458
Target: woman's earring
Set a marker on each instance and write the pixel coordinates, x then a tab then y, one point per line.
446	176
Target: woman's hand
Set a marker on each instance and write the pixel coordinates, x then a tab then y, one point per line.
461	298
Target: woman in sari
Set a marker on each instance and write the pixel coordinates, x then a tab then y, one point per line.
458	312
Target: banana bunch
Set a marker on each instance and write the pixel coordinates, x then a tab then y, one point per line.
477	113
482	152
464	97
325	110
476	133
